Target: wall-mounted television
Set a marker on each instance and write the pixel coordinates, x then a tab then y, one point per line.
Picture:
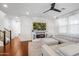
39	26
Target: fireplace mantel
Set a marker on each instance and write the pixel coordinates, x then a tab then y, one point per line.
39	30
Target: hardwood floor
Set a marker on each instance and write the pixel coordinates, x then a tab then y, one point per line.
15	48
24	46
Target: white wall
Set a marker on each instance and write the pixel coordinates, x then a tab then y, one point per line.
4	21
26	26
12	24
2	18
23	25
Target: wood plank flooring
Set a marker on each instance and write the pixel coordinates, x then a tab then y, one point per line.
15	48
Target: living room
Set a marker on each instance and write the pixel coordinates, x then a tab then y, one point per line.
39	29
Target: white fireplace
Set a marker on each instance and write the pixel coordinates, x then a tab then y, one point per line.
39	34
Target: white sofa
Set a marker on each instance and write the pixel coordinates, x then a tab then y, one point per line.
69	46
46	51
66	49
48	41
66	38
36	45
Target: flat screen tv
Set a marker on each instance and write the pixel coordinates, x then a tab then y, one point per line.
39	26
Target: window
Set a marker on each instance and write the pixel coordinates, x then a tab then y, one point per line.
62	25
74	24
74	19
69	25
62	21
73	29
62	29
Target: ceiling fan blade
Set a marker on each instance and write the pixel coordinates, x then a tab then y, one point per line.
46	11
53	5
56	10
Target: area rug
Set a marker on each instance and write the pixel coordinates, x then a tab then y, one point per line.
34	48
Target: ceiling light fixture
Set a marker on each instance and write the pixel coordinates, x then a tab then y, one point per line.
27	13
5	5
16	17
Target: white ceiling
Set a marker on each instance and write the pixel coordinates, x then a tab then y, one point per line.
37	9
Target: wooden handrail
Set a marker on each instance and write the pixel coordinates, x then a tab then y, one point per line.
4	37
4	41
10	33
7	29
1	31
10	36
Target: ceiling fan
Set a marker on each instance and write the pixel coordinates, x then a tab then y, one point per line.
52	8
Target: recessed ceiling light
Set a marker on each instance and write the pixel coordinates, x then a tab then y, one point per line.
16	17
5	5
27	13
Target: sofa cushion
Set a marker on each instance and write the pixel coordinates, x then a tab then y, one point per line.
50	41
70	50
